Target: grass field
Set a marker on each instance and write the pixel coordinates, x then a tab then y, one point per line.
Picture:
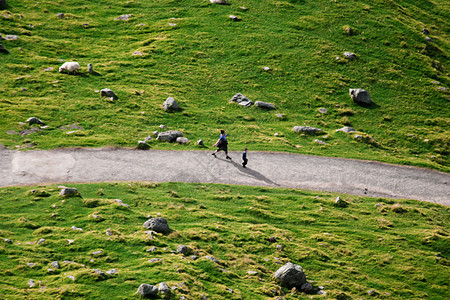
373	248
195	53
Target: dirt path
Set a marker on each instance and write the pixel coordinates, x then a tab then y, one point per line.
264	169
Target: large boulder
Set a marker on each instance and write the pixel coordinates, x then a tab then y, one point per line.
291	276
159	225
241	100
306	129
69	192
170	105
360	96
169	136
147	290
264	105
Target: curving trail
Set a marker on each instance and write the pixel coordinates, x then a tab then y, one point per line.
363	178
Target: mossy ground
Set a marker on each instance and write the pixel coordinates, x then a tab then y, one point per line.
396	249
205	58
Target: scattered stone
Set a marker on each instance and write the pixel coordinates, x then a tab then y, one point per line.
148	138
272	239
142	145
281	116
55	264
111	272
319	142
442	89
306	129
97	252
11	37
152	249
234	18
153	260
200	143
155	133
48	69
428	39
90	68
194	257
162	126
169	136
71	241
108	93
252	272
241	100
291	276
31	264
137	53
346	129
159	225
108	232
212	259
60	15
338	58
358	137
170	105
172	24
360	96
306	287
323	110
223	2
75	228
123	17
34	120
69	192
163	288
3	50
350	55
40	241
340	203
182	249
264	105
182	140
71	277
229	290
7	241
425	31
31	283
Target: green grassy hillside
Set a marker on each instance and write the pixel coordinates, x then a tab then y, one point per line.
195	53
395	249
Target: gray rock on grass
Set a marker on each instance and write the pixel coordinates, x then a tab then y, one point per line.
360	96
31	283
182	140
350	55
34	120
90	68
123	17
241	100
169	136
11	37
60	15
69	192
147	290
182	249
223	2
291	276
306	129
170	105
55	264
159	225
264	105
339	202
346	129
142	145
108	93
163	288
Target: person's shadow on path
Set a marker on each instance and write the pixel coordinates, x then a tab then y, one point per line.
250	173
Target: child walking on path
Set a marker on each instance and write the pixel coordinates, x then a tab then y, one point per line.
244	157
222	144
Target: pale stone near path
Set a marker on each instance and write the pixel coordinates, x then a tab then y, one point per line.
169	136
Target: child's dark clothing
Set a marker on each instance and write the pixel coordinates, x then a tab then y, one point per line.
244	158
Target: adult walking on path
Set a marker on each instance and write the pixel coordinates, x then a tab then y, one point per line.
222	144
